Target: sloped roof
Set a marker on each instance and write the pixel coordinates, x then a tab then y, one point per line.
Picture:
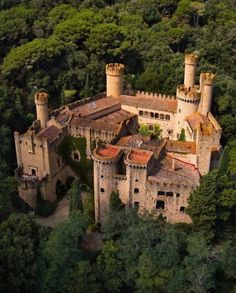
185	147
116	117
50	133
195	119
152	103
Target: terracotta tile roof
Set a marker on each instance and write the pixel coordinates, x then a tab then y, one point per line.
95	124
96	106
186	147
63	117
153	103
107	151
138	156
50	133
116	117
195	119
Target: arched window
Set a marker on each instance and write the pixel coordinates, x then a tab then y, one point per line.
169	193
136	190
102	189
167	117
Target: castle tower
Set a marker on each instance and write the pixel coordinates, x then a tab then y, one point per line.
105	165
41	102
114	73
206	86
188	101
190	70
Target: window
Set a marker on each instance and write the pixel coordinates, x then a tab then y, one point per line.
102	176
167	117
169	132
141	113
160	205
76	156
136	190
152	114
177	194
156	115
169	193
179	110
161	192
33	172
162	116
150	127
102	189
136	180
146	113
182	209
58	162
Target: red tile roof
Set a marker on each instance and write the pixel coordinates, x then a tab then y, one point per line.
195	119
186	147
139	156
107	152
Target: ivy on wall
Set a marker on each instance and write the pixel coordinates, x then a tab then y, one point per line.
82	168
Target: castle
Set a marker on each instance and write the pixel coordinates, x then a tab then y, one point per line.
156	175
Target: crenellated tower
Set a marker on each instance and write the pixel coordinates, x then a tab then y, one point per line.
206	87
188	94
190	69
114	73
41	102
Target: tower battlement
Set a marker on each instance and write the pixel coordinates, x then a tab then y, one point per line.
115	69
41	98
207	78
191	95
191	59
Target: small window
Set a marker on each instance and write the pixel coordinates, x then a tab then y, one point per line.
33	172
150	127
76	156
177	194
160	205
179	110
162	116
136	180
152	114
156	115
167	117
146	113
169	132
161	192
178	122
58	162
141	113
102	176
169	193
136	190
182	209
102	189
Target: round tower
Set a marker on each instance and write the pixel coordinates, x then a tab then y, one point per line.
190	70
41	102
188	101
206	92
114	72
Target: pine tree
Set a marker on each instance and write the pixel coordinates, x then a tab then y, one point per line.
203	205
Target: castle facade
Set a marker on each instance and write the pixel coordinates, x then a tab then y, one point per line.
157	175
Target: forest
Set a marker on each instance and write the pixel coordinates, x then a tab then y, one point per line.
61	47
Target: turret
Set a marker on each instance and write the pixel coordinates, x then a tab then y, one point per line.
206	87
188	101
114	72
41	102
190	70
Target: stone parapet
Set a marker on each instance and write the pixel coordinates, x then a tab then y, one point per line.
115	69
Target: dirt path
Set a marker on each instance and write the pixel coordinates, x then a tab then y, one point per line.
61	214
